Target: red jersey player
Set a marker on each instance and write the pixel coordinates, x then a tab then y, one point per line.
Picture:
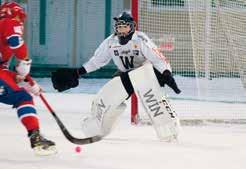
12	17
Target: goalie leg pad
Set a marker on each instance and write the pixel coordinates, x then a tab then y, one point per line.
106	107
110	118
157	107
91	126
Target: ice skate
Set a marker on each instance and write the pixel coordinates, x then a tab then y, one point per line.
41	145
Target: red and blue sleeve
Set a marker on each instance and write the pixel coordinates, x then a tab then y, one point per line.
13	36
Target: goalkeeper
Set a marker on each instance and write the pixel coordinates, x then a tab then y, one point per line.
132	52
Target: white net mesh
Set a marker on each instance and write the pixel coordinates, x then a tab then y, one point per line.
205	43
218	36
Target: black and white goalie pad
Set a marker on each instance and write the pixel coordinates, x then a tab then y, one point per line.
155	103
105	109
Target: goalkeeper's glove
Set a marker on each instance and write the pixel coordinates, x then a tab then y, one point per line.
66	78
167	78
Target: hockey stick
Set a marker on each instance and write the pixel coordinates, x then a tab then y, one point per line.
64	130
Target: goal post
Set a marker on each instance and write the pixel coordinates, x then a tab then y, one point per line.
205	44
134	99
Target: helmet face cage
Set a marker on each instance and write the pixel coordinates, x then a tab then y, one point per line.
11	10
4	10
123	23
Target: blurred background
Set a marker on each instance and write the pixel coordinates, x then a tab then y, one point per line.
65	33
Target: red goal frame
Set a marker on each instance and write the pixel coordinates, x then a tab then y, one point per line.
134	99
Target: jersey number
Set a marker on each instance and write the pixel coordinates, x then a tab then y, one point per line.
128	64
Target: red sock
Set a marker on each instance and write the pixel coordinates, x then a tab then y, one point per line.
30	122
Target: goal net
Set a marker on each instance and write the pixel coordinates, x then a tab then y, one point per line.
205	44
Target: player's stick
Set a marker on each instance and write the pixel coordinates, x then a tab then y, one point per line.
64	130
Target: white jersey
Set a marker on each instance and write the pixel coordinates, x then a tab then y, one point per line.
139	50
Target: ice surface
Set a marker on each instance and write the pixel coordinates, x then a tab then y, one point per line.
215	146
212	146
